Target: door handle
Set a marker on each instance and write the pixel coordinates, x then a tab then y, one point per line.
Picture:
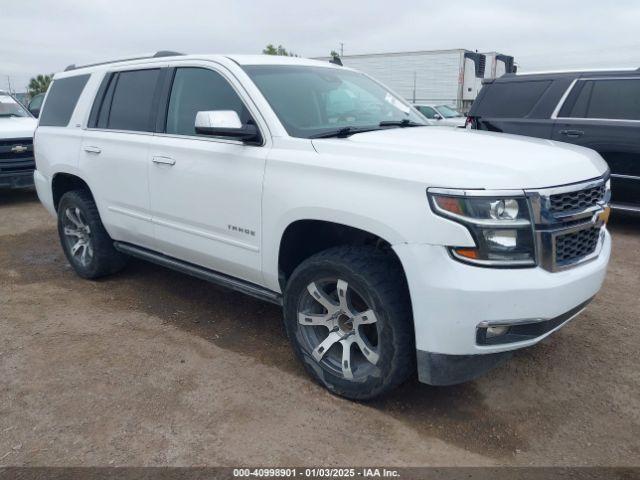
572	133
90	149
163	160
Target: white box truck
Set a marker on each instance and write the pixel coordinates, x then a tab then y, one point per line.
451	77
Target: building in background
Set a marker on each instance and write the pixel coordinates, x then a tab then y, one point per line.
450	77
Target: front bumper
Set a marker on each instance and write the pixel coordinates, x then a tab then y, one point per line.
441	369
16	180
451	299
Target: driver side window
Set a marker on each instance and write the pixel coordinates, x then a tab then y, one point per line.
199	89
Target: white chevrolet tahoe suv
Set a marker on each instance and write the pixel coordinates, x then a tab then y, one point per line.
392	246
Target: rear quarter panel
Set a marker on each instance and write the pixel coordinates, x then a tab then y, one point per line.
57	149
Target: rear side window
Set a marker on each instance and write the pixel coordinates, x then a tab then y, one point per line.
604	99
131	98
513	99
127	101
615	99
61	101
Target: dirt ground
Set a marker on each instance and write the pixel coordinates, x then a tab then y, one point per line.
151	367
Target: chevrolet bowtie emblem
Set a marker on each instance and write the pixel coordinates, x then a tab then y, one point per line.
19	149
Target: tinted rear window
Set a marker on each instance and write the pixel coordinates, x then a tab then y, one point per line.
61	101
132	103
514	99
615	99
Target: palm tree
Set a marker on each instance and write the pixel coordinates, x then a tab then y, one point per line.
39	84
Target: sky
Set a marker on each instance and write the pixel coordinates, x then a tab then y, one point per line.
39	36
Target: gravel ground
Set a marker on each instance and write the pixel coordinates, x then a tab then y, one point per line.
151	367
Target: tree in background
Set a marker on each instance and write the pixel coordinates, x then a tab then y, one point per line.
279	50
334	54
39	84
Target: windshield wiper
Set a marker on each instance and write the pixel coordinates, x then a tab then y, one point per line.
343	132
405	122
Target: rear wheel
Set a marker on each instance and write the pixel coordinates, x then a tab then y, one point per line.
348	316
85	242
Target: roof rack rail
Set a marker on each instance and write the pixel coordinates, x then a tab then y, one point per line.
158	54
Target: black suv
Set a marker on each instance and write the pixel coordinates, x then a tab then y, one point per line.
598	110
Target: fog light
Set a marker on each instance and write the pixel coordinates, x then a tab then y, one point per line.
501	239
497	331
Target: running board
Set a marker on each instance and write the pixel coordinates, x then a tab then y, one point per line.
200	272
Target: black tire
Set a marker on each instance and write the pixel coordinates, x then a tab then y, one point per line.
101	258
375	278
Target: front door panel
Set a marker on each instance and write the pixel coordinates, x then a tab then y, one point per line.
206	202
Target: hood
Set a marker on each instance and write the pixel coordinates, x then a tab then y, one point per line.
17	127
461	158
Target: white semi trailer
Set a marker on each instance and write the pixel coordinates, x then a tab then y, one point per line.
451	77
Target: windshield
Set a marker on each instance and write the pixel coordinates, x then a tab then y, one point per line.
311	101
448	112
10	108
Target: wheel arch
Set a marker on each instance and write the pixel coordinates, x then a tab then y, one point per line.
63	182
304	237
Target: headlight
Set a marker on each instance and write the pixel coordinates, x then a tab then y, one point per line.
500	226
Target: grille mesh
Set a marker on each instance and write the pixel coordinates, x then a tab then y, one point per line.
579	200
16	162
574	246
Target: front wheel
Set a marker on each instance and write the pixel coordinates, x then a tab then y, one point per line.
348	316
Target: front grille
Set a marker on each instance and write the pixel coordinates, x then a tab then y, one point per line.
16	155
568	223
571	247
577	200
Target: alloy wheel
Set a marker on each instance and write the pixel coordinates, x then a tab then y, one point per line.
339	329
78	235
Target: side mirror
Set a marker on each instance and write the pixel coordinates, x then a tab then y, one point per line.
226	123
437	116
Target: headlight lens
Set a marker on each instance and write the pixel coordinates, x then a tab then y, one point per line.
504	209
500	226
